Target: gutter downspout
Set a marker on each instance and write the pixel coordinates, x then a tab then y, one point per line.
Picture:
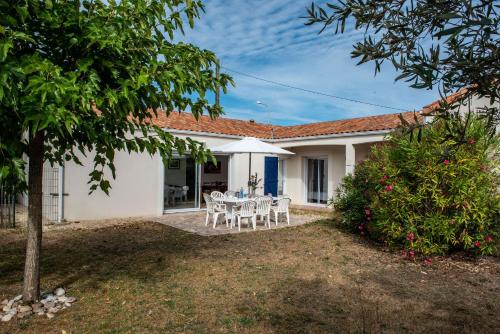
60	199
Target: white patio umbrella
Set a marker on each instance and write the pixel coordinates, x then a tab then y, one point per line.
250	145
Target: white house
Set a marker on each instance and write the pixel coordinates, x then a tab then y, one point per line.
324	153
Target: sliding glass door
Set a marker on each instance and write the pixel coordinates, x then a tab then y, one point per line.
181	185
317	180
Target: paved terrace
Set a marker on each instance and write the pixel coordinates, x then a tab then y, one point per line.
194	222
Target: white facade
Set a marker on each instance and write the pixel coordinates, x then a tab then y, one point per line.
310	177
139	187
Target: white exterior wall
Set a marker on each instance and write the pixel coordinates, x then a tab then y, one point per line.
136	191
362	151
296	170
334	148
138	187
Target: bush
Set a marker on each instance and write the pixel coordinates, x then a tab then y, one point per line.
432	195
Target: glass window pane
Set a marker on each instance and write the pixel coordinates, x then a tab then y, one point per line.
181	183
317	181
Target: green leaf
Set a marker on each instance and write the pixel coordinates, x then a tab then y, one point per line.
4	49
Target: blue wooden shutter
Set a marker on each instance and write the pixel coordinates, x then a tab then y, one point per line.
271	176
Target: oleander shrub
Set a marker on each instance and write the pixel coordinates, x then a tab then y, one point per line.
433	195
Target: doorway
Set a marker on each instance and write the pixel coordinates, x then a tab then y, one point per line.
215	177
317	180
181	184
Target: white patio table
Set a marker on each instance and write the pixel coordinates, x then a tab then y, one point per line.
232	202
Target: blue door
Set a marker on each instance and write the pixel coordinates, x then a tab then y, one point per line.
271	176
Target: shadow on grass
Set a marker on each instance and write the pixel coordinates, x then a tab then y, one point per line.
95	256
377	304
306	279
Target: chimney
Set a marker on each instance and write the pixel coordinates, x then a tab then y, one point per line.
252	121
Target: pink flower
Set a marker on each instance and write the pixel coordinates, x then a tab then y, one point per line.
472	141
411	254
488	238
446	162
367	212
477	244
362	232
428	261
361	227
410	236
389	187
452	222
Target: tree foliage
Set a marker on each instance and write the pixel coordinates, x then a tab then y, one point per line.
450	44
432	196
91	74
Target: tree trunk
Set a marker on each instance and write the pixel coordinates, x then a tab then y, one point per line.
31	288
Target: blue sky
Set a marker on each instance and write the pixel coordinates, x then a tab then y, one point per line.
268	39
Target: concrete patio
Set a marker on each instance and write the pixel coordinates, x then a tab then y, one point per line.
194	222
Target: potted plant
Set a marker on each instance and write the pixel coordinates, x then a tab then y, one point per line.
253	184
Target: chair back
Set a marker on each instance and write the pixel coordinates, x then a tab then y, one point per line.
247	209
217	196
263	205
210	202
185	190
230	193
283	204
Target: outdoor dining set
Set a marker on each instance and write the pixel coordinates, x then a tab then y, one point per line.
235	209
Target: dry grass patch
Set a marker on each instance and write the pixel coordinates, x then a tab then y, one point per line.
147	277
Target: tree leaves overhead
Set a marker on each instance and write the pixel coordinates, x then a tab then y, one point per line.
92	75
445	44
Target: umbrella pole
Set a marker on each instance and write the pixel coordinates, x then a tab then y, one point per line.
249	171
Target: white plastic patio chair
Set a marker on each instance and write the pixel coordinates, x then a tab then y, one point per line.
215	209
217	196
263	209
245	211
230	193
185	190
281	207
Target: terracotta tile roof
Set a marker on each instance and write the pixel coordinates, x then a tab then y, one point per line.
362	124
186	121
428	109
227	126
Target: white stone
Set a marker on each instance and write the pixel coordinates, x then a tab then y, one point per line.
6	308
59	292
5	302
62	299
24	314
18	298
24	308
67	304
71	299
53	310
50	304
7	317
50	315
37	307
48	298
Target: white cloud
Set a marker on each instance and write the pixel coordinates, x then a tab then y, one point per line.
268	39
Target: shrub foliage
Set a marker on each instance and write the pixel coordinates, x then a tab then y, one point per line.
432	195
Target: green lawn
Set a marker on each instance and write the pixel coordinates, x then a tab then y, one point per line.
146	277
